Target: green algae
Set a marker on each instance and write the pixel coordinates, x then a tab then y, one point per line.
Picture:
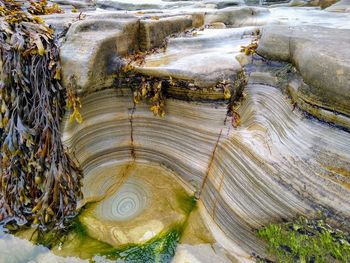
306	241
188	203
159	249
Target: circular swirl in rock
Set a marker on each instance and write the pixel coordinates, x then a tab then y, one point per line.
127	203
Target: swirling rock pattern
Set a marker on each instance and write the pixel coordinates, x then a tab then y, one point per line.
131	203
128	202
322	67
276	165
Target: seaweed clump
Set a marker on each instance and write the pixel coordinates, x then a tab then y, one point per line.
306	240
39	182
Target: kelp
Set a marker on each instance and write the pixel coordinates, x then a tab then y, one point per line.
39	182
253	46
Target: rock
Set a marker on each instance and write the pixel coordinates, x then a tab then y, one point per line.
15	250
141	4
203	60
321	3
76	3
93	46
154	30
238	16
341	6
326	3
217	25
219	4
134	210
204	253
324	68
275	165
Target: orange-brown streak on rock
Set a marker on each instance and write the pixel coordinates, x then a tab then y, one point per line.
132	147
210	164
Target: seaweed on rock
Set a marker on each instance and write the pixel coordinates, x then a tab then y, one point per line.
39	182
306	240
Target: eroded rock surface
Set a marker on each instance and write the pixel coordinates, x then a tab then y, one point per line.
274	164
326	70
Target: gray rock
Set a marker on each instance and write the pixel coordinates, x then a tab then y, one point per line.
341	6
238	16
224	3
93	46
141	4
76	3
317	53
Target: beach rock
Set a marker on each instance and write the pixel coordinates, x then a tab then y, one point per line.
341	6
238	16
203	60
141	4
219	4
154	30
323	67
93	46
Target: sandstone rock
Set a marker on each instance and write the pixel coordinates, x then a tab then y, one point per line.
238	16
341	6
219	4
204	253
203	60
93	46
15	250
76	3
321	3
326	3
275	165
154	30
323	67
141	4
136	209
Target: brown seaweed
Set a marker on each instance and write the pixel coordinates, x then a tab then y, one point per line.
39	181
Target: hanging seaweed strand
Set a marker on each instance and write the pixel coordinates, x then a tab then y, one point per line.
39	182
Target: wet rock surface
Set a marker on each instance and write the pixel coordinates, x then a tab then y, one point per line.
265	162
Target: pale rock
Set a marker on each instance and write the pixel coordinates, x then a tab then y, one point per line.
341	6
323	67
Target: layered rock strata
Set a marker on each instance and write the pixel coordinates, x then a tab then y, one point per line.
324	90
277	163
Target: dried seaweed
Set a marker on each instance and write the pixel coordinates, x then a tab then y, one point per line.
39	182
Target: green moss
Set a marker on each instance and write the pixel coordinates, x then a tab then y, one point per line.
159	249
188	203
306	241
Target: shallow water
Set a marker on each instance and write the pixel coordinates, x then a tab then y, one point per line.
132	210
